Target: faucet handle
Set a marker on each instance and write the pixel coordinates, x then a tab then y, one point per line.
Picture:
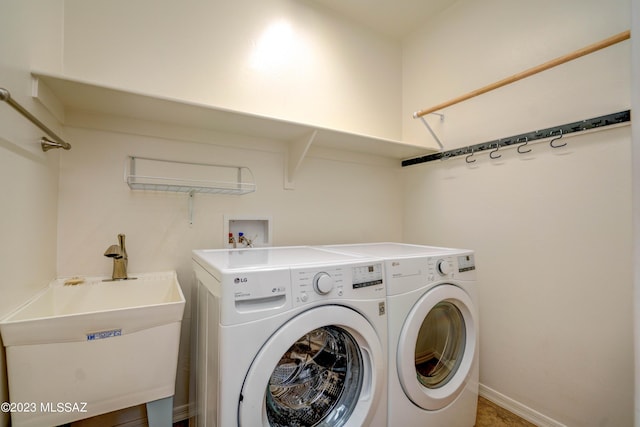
114	251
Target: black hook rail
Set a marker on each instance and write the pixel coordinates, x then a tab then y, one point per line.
555	132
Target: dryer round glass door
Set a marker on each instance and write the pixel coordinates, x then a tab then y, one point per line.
437	346
311	373
440	345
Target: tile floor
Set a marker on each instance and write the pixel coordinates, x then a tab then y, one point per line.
491	415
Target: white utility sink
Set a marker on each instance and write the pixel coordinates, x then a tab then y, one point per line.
77	351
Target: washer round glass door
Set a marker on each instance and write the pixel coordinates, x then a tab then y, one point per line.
311	373
436	347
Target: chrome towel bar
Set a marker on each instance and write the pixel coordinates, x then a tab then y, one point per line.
46	143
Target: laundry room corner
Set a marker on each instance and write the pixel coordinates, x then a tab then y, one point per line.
552	227
354	136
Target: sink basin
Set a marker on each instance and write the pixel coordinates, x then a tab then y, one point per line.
101	345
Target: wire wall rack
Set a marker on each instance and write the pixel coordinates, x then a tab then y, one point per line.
144	173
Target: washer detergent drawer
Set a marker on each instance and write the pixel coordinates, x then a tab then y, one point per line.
251	296
248	295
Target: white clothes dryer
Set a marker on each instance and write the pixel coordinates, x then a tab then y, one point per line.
432	309
290	336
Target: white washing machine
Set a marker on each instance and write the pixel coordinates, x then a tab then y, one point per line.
291	336
432	309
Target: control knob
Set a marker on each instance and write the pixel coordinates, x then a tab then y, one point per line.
323	283
444	268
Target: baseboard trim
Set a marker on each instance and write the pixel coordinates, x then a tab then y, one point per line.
517	408
134	416
181	413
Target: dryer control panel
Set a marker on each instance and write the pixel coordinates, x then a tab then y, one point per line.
466	263
455	266
357	281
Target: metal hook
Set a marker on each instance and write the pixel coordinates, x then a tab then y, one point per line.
466	159
491	154
521	146
551	143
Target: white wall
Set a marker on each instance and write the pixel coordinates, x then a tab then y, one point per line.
336	200
552	229
29	177
312	68
635	105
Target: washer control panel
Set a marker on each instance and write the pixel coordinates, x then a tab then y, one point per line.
323	283
366	275
359	281
444	267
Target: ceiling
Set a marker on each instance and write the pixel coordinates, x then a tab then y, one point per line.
393	18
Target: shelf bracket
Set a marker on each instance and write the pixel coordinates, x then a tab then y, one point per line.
191	193
433	134
295	154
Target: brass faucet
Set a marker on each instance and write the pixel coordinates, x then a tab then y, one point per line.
120	259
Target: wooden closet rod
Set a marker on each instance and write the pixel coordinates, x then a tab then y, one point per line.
531	71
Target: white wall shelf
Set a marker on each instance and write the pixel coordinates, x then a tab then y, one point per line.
61	93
